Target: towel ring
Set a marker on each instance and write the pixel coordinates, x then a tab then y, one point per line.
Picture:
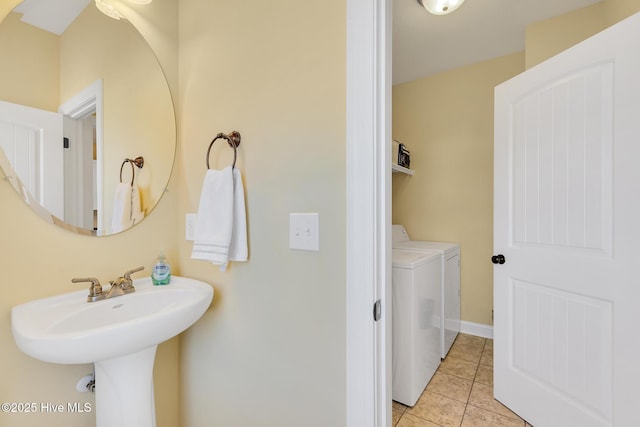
138	161
233	139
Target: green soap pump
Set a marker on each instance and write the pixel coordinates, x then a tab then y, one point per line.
161	274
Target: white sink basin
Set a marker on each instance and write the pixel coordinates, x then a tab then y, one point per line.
68	329
119	335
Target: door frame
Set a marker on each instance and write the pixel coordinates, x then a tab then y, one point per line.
91	100
368	182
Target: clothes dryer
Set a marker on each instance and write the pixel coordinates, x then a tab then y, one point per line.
416	322
450	280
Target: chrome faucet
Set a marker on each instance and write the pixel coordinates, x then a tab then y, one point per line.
121	286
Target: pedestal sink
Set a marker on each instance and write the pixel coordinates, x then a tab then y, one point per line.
119	335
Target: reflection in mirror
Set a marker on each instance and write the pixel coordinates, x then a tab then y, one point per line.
76	100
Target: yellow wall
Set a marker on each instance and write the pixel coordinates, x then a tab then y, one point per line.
547	38
550	37
446	120
39	259
31	77
271	350
276	73
617	10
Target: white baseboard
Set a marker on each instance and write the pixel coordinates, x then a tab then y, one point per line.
477	329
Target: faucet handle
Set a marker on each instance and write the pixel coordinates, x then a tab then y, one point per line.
95	283
127	274
125	281
95	291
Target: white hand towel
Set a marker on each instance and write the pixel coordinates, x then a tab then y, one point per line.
221	225
214	223
238	247
136	206
121	218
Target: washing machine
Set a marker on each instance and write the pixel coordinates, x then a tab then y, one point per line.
416	322
450	280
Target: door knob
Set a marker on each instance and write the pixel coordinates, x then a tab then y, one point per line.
498	259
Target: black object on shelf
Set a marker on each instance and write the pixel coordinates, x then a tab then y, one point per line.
404	156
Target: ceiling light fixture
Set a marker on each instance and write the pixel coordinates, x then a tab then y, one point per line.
440	7
107	7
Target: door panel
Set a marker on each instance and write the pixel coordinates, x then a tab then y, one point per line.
566	220
563	340
562	153
32	142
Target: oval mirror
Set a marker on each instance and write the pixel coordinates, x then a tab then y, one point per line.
87	124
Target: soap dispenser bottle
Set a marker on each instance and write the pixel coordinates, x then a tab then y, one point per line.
161	274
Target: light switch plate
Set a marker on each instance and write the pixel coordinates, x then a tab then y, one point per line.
190	229
304	231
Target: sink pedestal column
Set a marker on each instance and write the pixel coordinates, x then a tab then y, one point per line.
124	390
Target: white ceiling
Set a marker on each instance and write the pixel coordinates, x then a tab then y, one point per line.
51	15
425	44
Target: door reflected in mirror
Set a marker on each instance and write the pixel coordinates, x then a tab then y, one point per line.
74	106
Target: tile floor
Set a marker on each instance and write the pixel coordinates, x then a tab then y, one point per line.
460	392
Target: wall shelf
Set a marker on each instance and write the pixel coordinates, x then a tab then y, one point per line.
399	169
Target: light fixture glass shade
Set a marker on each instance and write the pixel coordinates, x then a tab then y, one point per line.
440	7
140	1
108	9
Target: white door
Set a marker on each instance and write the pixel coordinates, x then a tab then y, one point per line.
32	141
79	181
567	215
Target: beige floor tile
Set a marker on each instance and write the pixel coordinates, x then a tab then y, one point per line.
460	368
467	352
441	410
412	421
466	375
484	375
397	410
395	416
450	386
399	406
482	397
478	417
470	340
487	357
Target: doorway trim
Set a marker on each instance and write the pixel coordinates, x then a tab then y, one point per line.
368	177
85	102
